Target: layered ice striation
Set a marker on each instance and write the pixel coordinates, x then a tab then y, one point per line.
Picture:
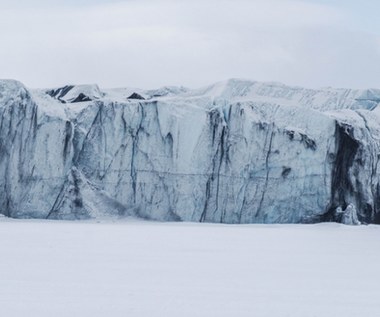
233	152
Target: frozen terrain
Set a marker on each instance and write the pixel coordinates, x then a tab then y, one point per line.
180	269
233	152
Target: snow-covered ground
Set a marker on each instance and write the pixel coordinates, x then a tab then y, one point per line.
136	268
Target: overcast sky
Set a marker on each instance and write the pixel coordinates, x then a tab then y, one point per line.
151	43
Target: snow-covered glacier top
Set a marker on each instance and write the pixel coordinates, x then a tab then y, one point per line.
320	99
232	90
237	151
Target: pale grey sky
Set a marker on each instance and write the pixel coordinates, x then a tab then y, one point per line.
151	43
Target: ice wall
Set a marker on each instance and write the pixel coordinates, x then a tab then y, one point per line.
234	152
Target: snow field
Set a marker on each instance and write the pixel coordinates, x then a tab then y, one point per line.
178	269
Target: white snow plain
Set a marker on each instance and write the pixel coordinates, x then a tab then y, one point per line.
178	269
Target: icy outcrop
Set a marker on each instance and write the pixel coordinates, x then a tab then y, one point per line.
78	93
348	216
234	152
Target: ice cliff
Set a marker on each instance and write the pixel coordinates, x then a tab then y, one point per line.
234	152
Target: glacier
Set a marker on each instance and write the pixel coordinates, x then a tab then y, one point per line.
237	151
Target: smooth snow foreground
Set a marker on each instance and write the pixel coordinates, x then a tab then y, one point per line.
176	269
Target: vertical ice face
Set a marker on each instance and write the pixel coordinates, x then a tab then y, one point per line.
233	152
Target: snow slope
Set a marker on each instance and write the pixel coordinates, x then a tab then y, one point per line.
234	152
180	269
